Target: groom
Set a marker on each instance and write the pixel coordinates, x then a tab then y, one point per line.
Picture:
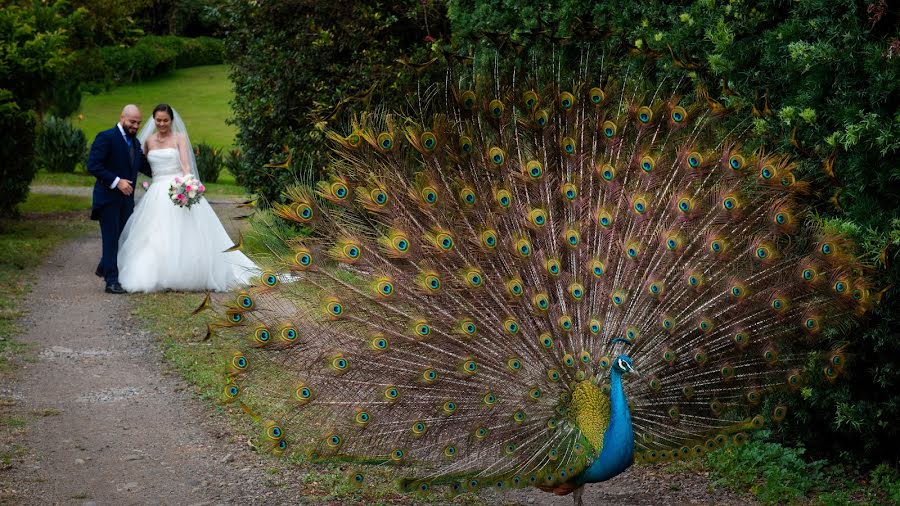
115	160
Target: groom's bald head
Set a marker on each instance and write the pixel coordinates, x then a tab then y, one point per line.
130	119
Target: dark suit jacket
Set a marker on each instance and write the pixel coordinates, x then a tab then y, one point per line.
110	157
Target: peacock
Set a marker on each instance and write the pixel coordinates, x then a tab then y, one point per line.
536	280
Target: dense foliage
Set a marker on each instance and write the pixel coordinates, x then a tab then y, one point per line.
819	79
291	71
209	162
60	146
35	63
150	56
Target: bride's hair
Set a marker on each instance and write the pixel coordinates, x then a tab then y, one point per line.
164	107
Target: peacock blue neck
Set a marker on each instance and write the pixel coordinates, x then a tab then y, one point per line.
618	440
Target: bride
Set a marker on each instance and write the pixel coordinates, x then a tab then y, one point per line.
165	246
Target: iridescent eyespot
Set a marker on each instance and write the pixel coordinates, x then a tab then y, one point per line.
232	391
767	172
514	287
429	195
647	164
546	341
596	95
540	301
609	129
496	155
303	393
467	195
428	140
644	114
569	191
530	99
607	172
523	248
489	239
504	198
262	335
568	145
534	169
468	99
378	196
566	100
465	145
597	268
385	141
694	159
678	114
537	217
729	203
444	241
541	118
736	162
496	108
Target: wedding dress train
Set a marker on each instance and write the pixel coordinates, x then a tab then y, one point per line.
165	246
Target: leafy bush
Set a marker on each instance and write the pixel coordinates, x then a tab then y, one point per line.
152	56
16	154
209	162
60	146
773	473
818	79
286	85
35	60
234	161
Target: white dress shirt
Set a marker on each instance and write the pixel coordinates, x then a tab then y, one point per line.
122	131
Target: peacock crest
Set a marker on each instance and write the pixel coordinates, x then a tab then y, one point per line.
472	289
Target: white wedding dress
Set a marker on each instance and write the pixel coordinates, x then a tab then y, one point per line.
167	247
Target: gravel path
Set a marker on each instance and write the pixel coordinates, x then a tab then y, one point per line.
108	424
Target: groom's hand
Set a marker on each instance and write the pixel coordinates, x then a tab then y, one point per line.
125	187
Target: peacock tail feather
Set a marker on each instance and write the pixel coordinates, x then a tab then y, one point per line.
473	271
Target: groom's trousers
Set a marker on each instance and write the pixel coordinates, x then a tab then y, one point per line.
112	221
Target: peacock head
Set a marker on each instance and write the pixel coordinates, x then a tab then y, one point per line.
623	365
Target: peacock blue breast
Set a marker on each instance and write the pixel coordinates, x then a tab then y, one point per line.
617	454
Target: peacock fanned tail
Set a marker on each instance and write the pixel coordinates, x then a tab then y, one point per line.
472	275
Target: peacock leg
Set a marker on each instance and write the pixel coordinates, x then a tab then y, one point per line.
577	495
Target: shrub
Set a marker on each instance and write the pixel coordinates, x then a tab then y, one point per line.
286	84
234	161
16	154
209	162
60	146
151	56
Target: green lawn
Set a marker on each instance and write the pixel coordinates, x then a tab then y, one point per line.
47	221
201	96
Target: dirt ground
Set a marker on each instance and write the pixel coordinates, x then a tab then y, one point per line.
108	424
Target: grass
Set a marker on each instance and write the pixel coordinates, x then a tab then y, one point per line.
201	95
201	362
776	474
47	221
225	187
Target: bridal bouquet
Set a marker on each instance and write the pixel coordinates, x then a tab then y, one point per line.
186	191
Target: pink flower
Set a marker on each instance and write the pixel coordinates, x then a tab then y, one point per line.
181	196
187	188
178	180
145	184
202	188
